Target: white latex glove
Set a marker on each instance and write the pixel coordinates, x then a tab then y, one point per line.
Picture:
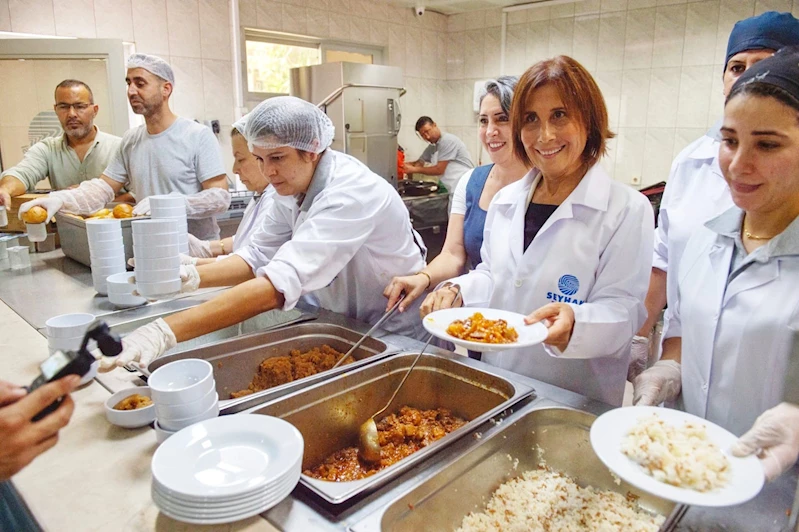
774	438
189	278
199	248
142	208
662	382
51	203
639	355
142	346
187	260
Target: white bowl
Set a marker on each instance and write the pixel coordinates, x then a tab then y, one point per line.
167	212
187	409
125	300
94	225
156	252
109	261
105	243
157	276
167	200
91	374
160	289
161	434
36	232
110	252
121	282
157	264
129	419
68	325
161	239
179	424
181	381
142	227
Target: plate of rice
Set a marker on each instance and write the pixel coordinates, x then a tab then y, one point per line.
484	329
676	456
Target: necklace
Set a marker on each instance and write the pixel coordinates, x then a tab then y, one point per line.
750	236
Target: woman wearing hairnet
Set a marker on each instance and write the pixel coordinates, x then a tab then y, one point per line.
696	190
335	230
734	296
246	166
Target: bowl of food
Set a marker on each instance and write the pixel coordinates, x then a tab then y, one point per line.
131	408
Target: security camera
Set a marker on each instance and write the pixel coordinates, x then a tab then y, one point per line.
419	10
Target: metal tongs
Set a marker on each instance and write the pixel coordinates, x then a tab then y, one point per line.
368	333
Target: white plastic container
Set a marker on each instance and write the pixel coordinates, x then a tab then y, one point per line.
20	257
3	216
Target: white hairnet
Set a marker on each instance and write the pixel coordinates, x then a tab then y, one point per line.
289	121
240	124
154	65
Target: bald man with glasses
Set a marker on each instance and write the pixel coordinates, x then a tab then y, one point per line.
80	153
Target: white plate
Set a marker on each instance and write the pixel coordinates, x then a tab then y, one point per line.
609	429
437	322
227	456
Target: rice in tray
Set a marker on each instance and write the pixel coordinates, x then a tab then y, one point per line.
544	500
680	456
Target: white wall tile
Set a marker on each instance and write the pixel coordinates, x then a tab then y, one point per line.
5	16
413	52
474	56
48	74
295	20
32	16
608	161
685	136
18	78
586	7
730	12
700	33
493	18
664	97
658	148
536	14
215	29
610	84
639	38
218	90
516	49
427	101
491	56
611	35
319	24
630	145
339	26
377	33
474	20
456	22
634	98
585	46
561	10
269	16
612	5
188	98
456	55
183	19
772	5
430	51
74	18
537	42
669	36
396	45
671	2
716	107
517	17
641	4
248	13
114	19
150	26
561	35
695	86
452	103
410	101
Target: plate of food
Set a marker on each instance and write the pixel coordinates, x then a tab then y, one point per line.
484	329
675	455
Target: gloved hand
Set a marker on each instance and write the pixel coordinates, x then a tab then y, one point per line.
186	260
51	203
639	355
189	278
199	248
142	346
142	208
662	382
775	439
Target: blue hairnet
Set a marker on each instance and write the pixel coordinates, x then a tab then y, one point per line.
770	30
780	70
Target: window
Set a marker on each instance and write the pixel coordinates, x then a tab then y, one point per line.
269	63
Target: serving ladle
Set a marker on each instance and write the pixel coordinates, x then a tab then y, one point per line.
368	333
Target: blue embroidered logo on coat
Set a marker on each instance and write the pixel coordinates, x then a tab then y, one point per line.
568	286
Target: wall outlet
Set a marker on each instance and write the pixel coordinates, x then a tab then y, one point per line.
635	180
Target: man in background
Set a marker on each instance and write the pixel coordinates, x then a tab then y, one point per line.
447	155
81	152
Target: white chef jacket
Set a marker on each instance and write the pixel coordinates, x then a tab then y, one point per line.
594	254
343	241
737	326
250	220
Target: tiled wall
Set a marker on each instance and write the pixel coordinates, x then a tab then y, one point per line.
193	35
658	63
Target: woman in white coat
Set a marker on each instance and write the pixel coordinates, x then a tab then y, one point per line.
734	297
335	230
566	240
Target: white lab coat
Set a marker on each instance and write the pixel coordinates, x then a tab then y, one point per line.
736	337
342	242
601	236
251	219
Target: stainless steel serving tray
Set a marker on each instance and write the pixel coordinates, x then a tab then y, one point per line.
328	414
467	483
236	360
75	241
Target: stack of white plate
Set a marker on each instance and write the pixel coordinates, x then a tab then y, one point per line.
172	207
184	393
156	248
106	250
65	333
226	469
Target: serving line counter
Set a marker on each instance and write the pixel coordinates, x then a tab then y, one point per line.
98	476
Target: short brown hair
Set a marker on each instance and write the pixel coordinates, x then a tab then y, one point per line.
579	93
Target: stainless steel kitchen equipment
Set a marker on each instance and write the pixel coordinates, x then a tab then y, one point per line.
328	414
363	101
75	243
236	360
466	484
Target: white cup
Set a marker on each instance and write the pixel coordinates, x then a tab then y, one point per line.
5	264
3	216
68	325
20	257
36	232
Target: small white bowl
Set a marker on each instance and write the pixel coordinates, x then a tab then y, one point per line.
121	282
68	325
181	381
167	200
158	264
104	245
156	252
161	239
159	289
125	300
101	225
179	424
107	261
187	409
129	419
157	276
162	434
143	227
91	374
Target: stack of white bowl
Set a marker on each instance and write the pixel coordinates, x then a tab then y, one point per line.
65	333
5	261
120	290
184	393
106	250
227	469
172	207
156	248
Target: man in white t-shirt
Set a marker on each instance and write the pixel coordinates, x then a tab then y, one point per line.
166	154
447	155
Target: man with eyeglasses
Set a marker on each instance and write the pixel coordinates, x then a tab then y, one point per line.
80	153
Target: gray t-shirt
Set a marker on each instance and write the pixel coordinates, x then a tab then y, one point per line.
449	148
176	160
